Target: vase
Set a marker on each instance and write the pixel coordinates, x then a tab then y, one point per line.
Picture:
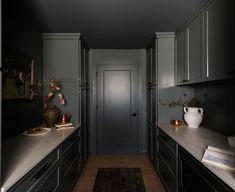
193	116
51	115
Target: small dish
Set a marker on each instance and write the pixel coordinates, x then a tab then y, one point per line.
176	122
231	141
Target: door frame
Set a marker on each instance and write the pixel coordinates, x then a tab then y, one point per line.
138	139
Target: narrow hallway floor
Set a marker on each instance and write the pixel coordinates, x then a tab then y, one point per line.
87	178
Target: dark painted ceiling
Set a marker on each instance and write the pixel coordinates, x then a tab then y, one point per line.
111	23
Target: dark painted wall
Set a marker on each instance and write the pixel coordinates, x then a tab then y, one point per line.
21	33
218	100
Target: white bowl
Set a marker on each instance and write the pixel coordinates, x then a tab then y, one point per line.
231	141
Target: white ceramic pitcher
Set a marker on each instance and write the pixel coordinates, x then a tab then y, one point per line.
193	116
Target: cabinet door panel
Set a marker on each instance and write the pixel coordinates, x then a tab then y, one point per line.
149	66
194	49
182	68
220	39
191	181
69	157
194	177
71	176
169	180
167	155
51	183
168	141
58	55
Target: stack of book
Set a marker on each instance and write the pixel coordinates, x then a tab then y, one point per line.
219	157
64	126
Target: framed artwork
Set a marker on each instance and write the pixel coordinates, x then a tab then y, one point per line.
17	75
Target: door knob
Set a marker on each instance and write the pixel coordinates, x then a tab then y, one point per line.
134	114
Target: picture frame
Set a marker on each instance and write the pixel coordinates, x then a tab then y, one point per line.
17	75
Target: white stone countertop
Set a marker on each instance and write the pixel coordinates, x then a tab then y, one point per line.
195	141
22	153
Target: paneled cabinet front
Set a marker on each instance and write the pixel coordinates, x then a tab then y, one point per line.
194	177
189	61
62	61
219	31
70	162
151	98
44	176
168	161
205	46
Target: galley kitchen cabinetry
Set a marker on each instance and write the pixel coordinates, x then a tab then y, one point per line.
151	98
193	176
204	46
65	57
70	161
85	90
62	61
219	32
43	163
189	53
168	161
45	176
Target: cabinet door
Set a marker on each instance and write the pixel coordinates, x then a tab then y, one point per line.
84	65
60	57
181	65
194	49
61	60
194	177
219	18
169	180
51	183
151	78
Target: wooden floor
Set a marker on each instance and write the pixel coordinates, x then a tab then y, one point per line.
87	178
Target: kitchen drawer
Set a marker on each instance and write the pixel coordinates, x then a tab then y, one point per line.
169	180
69	156
69	141
168	141
51	183
168	156
36	175
71	176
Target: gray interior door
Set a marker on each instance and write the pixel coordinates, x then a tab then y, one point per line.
117	109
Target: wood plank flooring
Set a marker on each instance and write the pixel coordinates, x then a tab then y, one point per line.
87	178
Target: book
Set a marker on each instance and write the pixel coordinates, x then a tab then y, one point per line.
64	125
68	127
219	157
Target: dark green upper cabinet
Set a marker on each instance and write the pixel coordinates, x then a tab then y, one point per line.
219	32
189	61
151	78
181	65
205	45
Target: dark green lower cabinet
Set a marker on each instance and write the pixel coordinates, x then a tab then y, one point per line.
70	162
167	161
180	171
194	177
58	172
70	178
169	179
51	183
